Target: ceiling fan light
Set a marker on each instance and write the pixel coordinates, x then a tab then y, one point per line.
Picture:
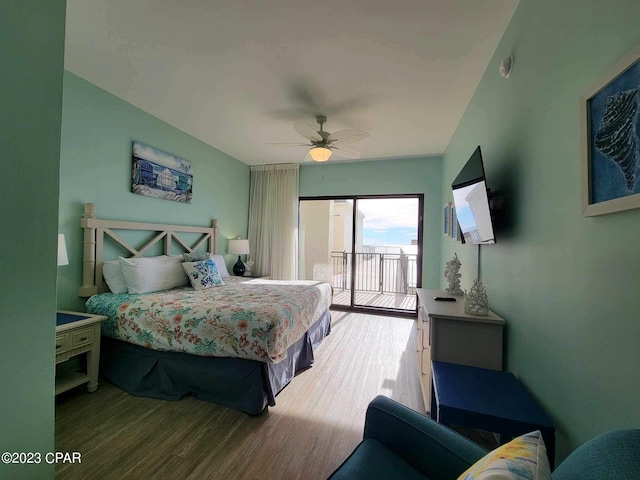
320	154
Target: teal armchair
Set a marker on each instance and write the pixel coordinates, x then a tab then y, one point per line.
400	443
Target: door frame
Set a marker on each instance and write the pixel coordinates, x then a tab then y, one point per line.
419	257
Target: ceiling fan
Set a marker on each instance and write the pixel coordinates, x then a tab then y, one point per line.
324	144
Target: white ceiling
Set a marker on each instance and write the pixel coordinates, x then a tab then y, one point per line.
238	74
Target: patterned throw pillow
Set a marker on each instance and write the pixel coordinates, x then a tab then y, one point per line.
202	274
523	458
196	257
201	257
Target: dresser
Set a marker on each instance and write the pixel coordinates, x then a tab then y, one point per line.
77	334
445	333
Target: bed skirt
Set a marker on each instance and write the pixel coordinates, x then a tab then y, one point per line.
246	385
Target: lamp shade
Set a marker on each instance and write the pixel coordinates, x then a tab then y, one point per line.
239	247
63	259
320	154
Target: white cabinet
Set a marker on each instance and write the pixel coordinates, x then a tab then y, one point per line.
444	332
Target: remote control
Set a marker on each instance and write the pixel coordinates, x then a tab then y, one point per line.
444	299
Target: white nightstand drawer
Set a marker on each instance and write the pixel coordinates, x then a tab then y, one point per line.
61	343
81	337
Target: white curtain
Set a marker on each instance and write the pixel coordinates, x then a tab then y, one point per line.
273	220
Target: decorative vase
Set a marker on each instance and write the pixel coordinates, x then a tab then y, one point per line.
452	274
238	268
475	301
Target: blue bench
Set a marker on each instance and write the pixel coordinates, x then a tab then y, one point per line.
489	400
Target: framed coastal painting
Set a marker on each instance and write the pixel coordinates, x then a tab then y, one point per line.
160	175
610	139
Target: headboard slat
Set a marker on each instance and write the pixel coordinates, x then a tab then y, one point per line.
169	236
92	222
119	241
201	241
179	241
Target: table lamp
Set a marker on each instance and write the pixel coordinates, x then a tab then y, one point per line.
239	247
63	258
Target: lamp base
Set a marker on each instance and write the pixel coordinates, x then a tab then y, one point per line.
238	268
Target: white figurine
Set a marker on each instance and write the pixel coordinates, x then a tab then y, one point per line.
451	273
475	301
247	268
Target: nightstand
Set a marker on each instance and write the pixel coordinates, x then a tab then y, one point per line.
77	334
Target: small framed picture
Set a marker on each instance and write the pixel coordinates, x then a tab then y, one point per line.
455	228
610	142
447	218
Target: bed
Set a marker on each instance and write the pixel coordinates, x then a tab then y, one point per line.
237	344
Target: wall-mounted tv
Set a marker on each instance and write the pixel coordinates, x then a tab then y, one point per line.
471	199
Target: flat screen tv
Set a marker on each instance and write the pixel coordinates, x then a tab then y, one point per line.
471	199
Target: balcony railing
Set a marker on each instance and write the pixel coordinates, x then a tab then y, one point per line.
376	272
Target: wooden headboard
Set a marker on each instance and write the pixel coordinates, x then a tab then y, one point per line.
97	231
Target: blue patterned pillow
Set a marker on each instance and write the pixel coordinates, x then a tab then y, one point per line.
203	274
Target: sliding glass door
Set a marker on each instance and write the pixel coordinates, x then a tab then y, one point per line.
386	253
325	242
368	247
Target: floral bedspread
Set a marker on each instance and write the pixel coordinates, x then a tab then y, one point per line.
256	319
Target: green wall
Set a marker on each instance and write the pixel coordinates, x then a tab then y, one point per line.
395	176
566	285
97	133
31	49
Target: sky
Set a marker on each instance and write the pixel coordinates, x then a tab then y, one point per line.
389	221
463	212
146	152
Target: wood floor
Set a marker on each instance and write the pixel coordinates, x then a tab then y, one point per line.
316	423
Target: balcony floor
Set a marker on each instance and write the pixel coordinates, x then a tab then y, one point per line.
396	301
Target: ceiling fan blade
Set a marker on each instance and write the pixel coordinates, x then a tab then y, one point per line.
345	150
348	136
307	132
289	144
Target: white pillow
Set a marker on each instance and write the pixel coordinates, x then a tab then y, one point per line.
113	276
145	275
222	266
112	273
